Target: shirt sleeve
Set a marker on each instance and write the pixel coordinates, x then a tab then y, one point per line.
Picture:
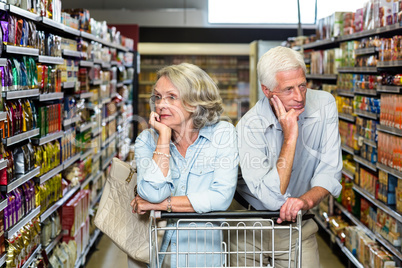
258	166
329	170
220	193
152	185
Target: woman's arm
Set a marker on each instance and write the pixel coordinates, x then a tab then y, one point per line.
177	204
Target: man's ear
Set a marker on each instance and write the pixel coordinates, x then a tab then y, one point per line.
266	91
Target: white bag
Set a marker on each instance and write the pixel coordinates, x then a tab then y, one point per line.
129	231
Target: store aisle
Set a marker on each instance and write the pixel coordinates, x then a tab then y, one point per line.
108	255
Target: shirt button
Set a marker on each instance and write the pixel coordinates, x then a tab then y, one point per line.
183	188
200	172
174	244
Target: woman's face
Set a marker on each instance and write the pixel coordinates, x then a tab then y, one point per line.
169	106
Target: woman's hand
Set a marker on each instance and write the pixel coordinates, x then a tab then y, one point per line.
141	206
154	121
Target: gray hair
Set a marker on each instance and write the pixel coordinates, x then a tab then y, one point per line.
199	94
276	60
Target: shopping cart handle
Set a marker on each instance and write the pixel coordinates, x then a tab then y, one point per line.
225	214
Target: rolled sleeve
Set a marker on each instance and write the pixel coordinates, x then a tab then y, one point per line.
152	185
220	193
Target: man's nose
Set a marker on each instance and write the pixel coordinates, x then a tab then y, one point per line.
297	95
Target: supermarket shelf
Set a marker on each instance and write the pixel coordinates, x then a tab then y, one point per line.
96	82
347	149
86	95
32	258
70	121
97	61
355	220
84	127
321	76
86	181
389	89
48	138
324	226
367	141
120	84
366	50
348	254
96	131
3	62
52	23
110	139
369	92
68	84
71	30
106	100
347	117
378	203
86	63
70	161
348	174
58	204
22	12
96	157
3	116
86	154
20	180
96	200
113	62
81	259
357	70
71	53
390	130
51	60
112	117
128	82
3	259
22	50
3	164
365	163
18	94
389	170
11	231
366	114
54	243
394	63
107	162
51	96
50	174
345	93
97	176
106	65
21	137
320	43
3	204
387	245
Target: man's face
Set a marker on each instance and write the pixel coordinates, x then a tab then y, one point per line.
291	89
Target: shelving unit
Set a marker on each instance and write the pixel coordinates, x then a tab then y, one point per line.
370	145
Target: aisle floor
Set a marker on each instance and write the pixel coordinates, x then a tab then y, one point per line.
108	255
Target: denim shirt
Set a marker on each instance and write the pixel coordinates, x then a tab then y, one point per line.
207	175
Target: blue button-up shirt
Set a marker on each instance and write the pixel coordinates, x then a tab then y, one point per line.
207	175
318	157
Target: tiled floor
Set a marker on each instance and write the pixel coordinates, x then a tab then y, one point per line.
108	255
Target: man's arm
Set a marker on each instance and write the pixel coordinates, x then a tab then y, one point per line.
290	128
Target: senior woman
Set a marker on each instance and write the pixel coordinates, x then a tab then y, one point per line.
188	162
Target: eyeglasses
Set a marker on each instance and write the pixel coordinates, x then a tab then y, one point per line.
157	99
290	91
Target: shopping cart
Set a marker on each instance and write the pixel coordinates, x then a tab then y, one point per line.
218	239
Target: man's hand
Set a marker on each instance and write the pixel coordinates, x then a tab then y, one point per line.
288	120
289	210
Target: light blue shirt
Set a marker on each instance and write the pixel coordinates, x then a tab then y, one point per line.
318	157
207	175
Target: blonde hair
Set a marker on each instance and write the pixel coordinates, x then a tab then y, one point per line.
198	92
276	60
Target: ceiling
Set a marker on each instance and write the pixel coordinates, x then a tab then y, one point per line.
137	4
